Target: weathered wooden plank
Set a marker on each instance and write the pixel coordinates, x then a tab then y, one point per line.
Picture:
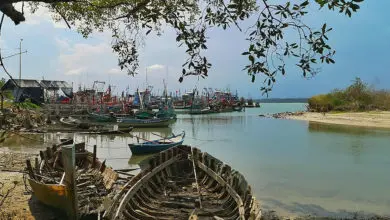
130	193
69	159
228	187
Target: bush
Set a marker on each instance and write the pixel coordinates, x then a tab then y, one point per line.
356	97
27	104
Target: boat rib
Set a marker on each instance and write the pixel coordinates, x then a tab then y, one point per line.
168	189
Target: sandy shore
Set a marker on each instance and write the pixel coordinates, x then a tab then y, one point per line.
377	119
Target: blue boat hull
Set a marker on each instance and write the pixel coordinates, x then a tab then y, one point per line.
151	148
154	146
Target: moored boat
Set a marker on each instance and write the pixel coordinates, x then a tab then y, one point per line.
237	108
74	123
150	147
184	183
102	117
144	123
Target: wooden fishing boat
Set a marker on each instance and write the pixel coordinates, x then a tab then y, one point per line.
144	114
98	129
184	183
93	180
69	121
150	147
237	108
144	123
200	111
102	117
108	131
74	123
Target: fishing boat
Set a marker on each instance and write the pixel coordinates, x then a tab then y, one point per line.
200	111
184	183
69	121
150	147
102	117
237	108
144	123
74	123
108	131
93	180
144	114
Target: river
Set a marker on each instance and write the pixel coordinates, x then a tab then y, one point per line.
294	167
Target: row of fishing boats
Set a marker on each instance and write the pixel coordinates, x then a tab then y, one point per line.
179	182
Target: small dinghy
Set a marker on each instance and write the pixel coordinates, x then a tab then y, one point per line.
184	183
150	147
74	123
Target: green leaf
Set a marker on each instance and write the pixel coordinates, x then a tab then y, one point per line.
251	58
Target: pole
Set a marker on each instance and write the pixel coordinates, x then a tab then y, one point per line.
146	70
20	59
69	159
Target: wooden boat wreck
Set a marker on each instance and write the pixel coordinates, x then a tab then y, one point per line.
184	183
93	180
150	147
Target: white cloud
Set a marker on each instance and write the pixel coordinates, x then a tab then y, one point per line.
81	57
156	67
115	71
73	72
62	44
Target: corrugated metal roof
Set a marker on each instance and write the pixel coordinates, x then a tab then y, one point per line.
23	83
32	83
53	84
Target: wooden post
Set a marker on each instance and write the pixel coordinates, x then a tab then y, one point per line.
30	169
94	156
36	165
69	160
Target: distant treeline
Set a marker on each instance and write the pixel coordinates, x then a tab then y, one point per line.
356	97
284	100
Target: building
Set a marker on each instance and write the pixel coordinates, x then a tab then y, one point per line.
37	91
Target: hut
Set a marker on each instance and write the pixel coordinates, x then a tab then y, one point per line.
23	89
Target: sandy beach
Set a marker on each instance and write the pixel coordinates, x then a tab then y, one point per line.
377	119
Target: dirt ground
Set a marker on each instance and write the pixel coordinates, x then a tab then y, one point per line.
16	200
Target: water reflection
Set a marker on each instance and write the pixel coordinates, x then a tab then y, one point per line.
357	131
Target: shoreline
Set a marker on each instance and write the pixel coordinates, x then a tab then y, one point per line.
372	119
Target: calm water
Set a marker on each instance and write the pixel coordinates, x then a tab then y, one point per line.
294	167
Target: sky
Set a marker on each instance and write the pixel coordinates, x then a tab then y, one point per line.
55	52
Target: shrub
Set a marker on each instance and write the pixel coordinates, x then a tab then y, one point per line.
356	97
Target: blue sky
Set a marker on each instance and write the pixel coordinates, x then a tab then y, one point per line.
55	52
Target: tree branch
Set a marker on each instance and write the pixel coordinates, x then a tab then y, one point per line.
11	12
135	9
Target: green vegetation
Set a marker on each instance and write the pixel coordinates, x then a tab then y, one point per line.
357	97
27	104
7	94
